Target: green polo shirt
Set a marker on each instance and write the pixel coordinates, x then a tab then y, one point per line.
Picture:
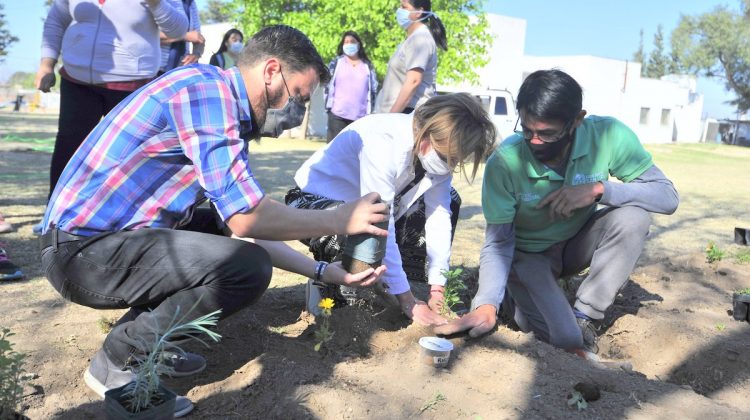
515	182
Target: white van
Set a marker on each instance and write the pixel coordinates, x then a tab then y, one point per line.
498	103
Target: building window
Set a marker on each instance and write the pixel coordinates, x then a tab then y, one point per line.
665	114
644	115
501	107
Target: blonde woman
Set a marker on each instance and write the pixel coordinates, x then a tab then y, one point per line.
409	159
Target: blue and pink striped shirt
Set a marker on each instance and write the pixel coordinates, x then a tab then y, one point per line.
163	150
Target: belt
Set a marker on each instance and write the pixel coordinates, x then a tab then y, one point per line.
55	237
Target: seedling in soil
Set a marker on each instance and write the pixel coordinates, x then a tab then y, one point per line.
576	399
11	376
453	288
432	402
106	324
324	334
713	253
742	257
745	291
720	326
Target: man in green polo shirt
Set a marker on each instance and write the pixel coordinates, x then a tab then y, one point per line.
551	211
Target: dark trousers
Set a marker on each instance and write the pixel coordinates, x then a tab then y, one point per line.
81	109
158	273
335	125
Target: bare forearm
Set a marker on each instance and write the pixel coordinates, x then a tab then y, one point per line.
406	92
286	258
274	221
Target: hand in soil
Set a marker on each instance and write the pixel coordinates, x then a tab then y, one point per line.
423	315
479	321
436	302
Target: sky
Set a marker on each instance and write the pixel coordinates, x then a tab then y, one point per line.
605	28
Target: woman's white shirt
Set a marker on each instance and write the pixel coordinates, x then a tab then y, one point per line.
375	153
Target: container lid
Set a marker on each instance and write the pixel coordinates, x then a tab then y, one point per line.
436	344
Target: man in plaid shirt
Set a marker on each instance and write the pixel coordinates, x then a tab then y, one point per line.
123	228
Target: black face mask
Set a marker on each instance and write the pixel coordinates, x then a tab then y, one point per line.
548	151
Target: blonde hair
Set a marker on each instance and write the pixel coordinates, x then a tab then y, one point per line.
458	128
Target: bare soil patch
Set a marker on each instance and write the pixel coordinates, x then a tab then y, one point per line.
689	358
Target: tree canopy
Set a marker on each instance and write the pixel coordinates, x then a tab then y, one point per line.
324	21
6	38
717	44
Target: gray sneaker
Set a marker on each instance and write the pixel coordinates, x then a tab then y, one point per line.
103	375
590	336
184	364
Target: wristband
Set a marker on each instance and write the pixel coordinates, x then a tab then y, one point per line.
319	269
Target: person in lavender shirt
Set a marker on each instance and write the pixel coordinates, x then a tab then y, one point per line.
351	92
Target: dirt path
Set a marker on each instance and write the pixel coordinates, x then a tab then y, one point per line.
689	358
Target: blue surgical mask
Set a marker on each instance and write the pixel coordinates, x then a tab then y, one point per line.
236	47
402	17
432	163
351	49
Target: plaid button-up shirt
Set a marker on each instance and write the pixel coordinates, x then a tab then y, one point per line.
164	149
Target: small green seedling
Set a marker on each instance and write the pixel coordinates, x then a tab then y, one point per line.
576	399
11	374
713	253
106	324
742	256
745	291
453	288
432	402
720	326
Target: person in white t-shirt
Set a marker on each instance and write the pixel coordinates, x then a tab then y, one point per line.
412	69
409	160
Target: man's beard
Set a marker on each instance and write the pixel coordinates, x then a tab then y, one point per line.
258	112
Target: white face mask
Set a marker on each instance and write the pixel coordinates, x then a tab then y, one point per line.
432	163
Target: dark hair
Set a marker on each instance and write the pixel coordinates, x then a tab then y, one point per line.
229	33
361	53
289	45
433	23
550	95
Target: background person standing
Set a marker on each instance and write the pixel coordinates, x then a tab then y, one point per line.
110	49
412	70
351	92
175	52
229	51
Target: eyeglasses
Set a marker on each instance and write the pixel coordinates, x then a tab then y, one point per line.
544	135
296	98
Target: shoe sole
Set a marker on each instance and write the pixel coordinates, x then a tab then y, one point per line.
94	384
15	276
100	389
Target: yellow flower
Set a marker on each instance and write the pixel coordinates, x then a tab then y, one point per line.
326	303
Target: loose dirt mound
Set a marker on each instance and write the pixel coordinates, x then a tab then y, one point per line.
689	359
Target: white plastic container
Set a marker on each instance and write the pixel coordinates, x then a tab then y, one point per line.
435	351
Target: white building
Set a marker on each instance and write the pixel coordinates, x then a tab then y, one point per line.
659	111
